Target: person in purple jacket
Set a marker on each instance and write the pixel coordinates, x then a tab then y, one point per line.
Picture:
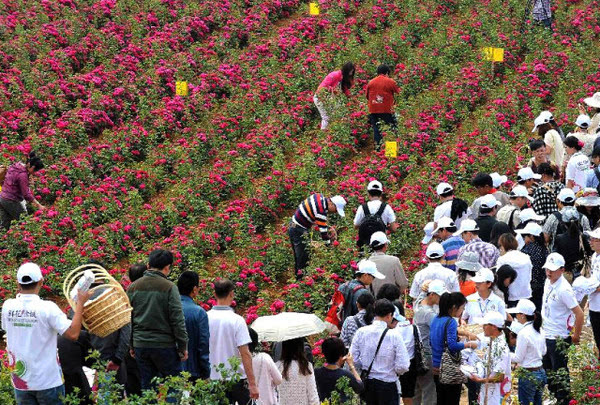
15	189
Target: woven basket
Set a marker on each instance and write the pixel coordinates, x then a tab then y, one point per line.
110	310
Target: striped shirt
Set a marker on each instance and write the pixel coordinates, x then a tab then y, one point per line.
451	247
311	211
488	253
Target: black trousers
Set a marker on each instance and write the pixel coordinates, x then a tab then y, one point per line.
297	236
557	359
447	394
239	393
375	119
595	321
381	393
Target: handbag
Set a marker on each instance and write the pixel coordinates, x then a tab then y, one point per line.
421	368
364	374
450	365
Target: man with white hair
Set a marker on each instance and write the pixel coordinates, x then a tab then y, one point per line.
32	326
434	271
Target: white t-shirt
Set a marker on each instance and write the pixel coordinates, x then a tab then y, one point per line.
477	307
500	364
577	169
445	209
595	297
521	287
435	271
32	327
531	347
387	217
228	331
552	138
406	332
557	308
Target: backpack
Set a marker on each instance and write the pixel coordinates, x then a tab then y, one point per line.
371	223
562	226
341	304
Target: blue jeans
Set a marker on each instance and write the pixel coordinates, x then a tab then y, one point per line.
51	396
531	387
158	362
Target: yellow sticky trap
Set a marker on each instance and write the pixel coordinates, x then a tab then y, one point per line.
493	54
313	8
181	88
391	149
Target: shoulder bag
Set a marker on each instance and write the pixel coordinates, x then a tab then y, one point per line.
450	365
421	366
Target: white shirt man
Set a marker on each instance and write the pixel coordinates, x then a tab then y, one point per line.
434	271
375	190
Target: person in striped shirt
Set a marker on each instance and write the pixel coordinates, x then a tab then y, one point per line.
451	243
312	211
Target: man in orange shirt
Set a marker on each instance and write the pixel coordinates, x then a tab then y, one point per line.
380	94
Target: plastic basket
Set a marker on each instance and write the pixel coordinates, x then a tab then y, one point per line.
110	310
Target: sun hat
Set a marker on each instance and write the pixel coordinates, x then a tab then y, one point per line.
554	261
374	185
437	287
528	214
428	229
488	201
593	101
544	118
443	188
469	261
530	229
595	234
493	318
369	267
526	173
520	191
583	121
340	203
29	273
591	201
524	306
570	214
435	251
566	195
497	179
378	238
483	276
467	225
443	223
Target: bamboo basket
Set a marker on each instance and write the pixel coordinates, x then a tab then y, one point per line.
107	312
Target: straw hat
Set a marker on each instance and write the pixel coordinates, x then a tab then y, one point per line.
593	101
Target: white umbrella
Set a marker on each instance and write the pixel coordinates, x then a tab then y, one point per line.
287	326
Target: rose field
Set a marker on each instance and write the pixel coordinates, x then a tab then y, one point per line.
214	176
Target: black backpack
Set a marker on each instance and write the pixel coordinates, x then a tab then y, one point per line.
371	223
562	227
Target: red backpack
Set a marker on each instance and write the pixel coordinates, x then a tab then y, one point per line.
341	304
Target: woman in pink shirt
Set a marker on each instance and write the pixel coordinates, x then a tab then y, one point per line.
16	189
343	79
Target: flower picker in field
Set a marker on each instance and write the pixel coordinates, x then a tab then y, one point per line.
340	79
16	189
380	95
312	211
374	215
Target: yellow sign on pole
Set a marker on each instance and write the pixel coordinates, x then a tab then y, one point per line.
493	54
313	8
391	149
181	88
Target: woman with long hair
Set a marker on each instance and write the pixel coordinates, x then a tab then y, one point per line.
343	80
529	352
573	245
16	190
266	373
298	386
521	263
505	276
364	317
536	249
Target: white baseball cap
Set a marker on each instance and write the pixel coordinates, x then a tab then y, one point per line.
554	261
29	273
527	174
443	188
340	204
516	327
435	251
443	223
467	225
437	287
530	229
369	267
493	318
488	201
375	185
497	179
520	191
378	238
583	121
428	229
483	276
523	307
529	214
595	234
544	118
566	195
